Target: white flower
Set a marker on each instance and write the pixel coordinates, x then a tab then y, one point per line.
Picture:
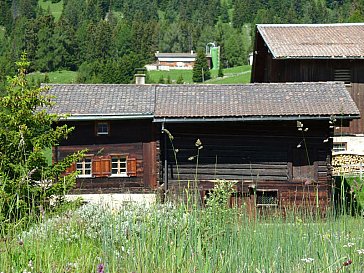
349	245
360	251
307	260
30	264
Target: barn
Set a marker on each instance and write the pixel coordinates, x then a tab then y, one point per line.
273	141
315	53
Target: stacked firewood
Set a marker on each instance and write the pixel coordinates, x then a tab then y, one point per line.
347	164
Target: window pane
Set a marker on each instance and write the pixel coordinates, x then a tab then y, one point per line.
102	128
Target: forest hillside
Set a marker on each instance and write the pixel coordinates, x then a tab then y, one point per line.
106	40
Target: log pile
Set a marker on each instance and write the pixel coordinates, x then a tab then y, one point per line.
347	164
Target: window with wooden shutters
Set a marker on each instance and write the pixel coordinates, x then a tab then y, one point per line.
131	167
84	167
118	165
101	166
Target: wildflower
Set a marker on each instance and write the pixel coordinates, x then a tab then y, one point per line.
360	251
198	143
307	260
349	245
21	242
348	262
100	268
30	264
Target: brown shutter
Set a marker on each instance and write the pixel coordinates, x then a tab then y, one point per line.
71	169
131	167
96	166
106	166
101	166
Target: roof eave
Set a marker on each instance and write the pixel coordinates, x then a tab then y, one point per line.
252	118
105	117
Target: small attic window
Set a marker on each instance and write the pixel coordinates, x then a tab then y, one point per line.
342	75
102	128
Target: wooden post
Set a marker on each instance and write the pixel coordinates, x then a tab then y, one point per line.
165	161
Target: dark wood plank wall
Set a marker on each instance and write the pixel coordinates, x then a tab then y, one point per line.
259	69
356	91
137	139
296	70
264	154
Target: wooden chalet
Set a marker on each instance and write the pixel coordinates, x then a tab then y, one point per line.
273	140
313	53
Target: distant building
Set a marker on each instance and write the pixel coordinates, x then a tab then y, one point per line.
167	61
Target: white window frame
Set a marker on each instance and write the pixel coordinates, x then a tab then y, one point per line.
100	126
120	159
83	167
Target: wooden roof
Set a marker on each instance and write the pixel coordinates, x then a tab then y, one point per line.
89	101
184	102
254	101
314	40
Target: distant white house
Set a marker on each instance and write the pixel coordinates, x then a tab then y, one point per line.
167	61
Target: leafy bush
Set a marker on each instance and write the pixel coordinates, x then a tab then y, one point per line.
27	183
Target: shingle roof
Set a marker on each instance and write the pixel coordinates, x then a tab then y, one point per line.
203	101
310	40
102	99
254	100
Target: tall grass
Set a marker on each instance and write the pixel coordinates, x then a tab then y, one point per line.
171	238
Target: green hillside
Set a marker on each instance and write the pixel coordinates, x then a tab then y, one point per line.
107	40
55	8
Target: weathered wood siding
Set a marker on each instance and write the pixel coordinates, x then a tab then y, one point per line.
136	139
263	154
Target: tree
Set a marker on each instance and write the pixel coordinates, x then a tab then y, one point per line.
225	18
200	72
180	80
26	130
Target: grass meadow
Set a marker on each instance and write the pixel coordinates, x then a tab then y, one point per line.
55	8
170	238
234	75
61	76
